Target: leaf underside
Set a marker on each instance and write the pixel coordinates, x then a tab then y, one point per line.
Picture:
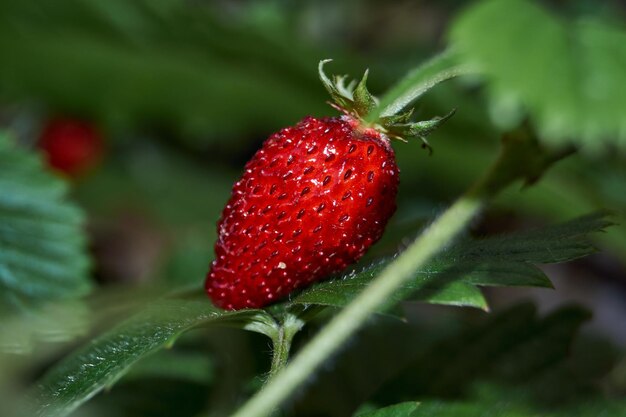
568	76
42	251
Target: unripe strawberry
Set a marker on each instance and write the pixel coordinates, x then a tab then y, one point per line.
71	146
311	201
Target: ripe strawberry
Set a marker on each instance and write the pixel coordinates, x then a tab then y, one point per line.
311	201
71	146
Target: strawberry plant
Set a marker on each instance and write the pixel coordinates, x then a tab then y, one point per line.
368	260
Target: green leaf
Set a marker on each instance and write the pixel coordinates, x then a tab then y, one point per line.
568	76
104	360
397	410
558	243
450	278
42	249
189	366
426	287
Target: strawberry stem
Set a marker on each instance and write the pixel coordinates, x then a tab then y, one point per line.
520	158
281	343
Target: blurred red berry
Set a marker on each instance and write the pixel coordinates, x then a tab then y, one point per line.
71	146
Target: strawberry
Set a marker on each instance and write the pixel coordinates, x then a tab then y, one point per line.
311	201
71	146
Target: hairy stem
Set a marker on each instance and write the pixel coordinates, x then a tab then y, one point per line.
281	344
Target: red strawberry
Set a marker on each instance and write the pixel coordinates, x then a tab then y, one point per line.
311	201
71	146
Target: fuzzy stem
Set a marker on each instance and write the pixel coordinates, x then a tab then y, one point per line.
281	344
520	158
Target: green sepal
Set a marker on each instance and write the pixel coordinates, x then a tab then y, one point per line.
419	129
352	98
336	88
355	100
364	101
400	118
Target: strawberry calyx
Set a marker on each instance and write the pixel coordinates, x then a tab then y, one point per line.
354	100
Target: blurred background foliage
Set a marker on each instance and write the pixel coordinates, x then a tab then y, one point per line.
186	91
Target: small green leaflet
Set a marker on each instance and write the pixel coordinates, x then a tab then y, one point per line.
452	276
568	76
104	360
42	248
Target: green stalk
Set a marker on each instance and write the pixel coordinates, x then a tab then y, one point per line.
521	158
281	343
